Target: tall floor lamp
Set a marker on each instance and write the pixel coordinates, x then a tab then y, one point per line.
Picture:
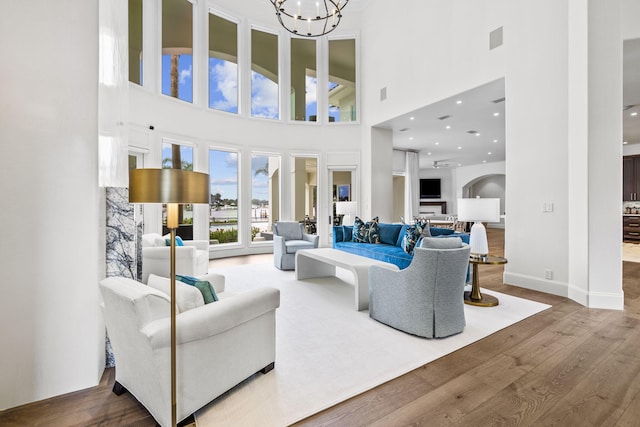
173	187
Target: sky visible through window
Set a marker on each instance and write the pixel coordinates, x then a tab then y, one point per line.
223	88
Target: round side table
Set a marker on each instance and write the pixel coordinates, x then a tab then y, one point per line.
474	297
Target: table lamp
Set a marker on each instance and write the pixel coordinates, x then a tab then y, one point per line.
477	211
173	187
348	209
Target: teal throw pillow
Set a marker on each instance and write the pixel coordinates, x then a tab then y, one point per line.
366	232
179	241
205	288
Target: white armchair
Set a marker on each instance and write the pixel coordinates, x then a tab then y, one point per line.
218	344
192	259
288	237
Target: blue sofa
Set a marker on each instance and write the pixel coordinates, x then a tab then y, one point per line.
390	247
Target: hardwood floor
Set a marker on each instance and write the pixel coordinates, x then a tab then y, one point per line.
567	366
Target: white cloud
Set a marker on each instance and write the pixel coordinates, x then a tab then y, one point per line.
225	75
311	87
185	74
231	160
264	96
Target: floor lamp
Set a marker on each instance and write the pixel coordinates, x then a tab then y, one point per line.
173	187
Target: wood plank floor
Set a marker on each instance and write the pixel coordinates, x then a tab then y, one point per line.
567	366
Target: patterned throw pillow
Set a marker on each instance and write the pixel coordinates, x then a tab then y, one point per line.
414	234
366	232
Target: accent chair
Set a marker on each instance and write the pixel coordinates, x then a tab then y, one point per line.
427	297
289	237
192	259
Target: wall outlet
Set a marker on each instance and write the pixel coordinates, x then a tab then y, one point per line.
548	274
547	207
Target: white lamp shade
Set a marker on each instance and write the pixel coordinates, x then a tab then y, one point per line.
485	210
346	208
478	210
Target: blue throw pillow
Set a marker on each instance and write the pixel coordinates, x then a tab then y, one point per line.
179	241
437	231
205	288
366	232
414	234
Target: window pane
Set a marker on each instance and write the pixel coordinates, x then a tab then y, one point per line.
177	49
176	156
264	75
135	41
223	209
223	64
303	80
265	193
342	80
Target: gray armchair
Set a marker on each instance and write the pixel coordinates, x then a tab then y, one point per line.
426	298
288	237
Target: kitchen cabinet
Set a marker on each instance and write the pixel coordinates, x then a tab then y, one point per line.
631	227
631	178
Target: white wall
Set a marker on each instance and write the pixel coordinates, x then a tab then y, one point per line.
52	334
546	162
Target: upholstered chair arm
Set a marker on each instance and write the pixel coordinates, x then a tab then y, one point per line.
201	245
214	318
216	280
311	238
279	247
164	252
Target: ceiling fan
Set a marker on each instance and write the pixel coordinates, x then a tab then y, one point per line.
437	164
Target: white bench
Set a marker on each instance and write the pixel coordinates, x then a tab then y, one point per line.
322	262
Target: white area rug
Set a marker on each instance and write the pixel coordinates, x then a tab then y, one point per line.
327	352
631	252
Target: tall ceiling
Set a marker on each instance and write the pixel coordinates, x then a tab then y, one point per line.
425	130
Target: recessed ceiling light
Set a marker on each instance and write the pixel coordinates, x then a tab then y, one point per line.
496	114
477	134
495	140
447	127
489	153
459	164
484	161
411	118
459	148
635	113
625	142
458	101
437	143
428	154
410	138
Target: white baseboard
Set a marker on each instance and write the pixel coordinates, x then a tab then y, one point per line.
552	287
610	301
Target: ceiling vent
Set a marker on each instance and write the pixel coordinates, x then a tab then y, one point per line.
403	129
472	132
498	101
444	117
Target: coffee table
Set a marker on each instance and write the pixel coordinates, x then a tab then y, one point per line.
322	262
474	297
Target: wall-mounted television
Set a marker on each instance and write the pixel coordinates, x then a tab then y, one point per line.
430	188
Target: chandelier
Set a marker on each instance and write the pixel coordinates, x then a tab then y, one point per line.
309	18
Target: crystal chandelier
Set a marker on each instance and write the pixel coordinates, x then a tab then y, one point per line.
309	18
